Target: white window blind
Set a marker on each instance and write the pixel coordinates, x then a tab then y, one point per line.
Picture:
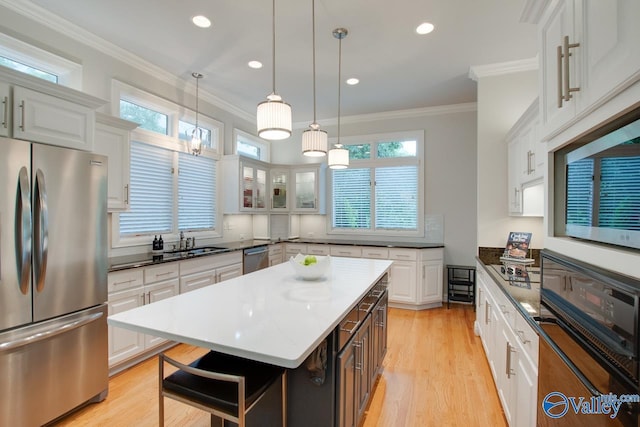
196	193
352	198
151	191
620	193
580	192
396	197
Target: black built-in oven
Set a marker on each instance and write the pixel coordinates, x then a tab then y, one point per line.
588	361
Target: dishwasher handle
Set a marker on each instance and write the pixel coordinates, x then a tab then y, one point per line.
256	251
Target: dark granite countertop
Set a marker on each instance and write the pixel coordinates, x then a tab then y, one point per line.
526	300
141	260
408	245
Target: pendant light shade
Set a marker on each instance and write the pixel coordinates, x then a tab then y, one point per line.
195	144
314	140
339	156
274	115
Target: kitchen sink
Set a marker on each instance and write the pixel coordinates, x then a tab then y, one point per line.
204	250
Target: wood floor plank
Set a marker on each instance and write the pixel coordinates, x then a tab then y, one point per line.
435	374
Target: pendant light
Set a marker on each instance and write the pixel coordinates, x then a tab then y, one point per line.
195	144
338	155
314	140
274	115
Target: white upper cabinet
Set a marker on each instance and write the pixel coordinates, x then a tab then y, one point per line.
112	140
40	111
589	54
245	184
527	159
279	190
309	189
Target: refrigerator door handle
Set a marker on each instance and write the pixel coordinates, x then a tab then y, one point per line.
41	230
23	229
57	330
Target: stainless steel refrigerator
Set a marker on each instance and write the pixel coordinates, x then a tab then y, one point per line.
53	281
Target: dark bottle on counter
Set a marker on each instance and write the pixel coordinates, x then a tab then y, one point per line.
161	243
156	243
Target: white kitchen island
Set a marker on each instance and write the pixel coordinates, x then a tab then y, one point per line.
269	316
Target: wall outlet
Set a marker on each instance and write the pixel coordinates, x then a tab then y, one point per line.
310	234
241	236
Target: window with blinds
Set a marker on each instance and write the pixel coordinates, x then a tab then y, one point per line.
380	191
396	197
351	198
151	191
196	193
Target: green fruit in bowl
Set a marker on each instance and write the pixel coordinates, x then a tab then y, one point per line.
309	259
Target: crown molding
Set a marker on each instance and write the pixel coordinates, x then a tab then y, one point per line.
62	26
533	10
478	71
398	114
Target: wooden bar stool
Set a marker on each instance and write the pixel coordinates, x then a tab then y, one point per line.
226	386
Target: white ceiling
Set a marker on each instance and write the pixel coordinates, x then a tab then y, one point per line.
397	68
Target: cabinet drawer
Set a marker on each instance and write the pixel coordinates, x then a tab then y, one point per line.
403	254
346	251
294	249
196	265
275	250
375	253
161	272
125	279
318	250
197	281
228	272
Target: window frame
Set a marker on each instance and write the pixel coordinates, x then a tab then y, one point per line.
247	138
69	73
175	112
372	163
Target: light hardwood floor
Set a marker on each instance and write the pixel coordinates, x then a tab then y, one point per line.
435	374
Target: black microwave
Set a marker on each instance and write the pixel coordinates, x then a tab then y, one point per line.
597	184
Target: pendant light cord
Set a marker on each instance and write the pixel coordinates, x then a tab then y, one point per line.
273	61
313	29
339	80
197	87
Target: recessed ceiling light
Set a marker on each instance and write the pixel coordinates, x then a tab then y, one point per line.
255	64
424	28
201	21
353	81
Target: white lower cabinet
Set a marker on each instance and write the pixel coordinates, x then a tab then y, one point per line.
135	287
511	347
276	254
402	282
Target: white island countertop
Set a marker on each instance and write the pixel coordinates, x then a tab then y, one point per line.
268	315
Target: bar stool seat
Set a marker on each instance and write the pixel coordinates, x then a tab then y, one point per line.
224	385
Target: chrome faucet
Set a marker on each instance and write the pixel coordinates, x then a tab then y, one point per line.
182	243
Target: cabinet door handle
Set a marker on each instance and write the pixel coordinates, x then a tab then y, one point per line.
124	282
522	337
509	371
358	345
22	114
424	267
143	298
487	313
559	73
567	86
5	112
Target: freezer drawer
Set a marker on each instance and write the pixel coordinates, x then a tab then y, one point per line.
49	368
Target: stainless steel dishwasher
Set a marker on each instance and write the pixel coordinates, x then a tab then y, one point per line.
255	259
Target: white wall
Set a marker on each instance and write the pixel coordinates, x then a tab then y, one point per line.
501	101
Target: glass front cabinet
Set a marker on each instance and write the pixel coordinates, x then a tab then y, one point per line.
279	189
308	189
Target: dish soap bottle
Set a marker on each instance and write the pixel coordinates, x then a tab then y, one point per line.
155	245
160	243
